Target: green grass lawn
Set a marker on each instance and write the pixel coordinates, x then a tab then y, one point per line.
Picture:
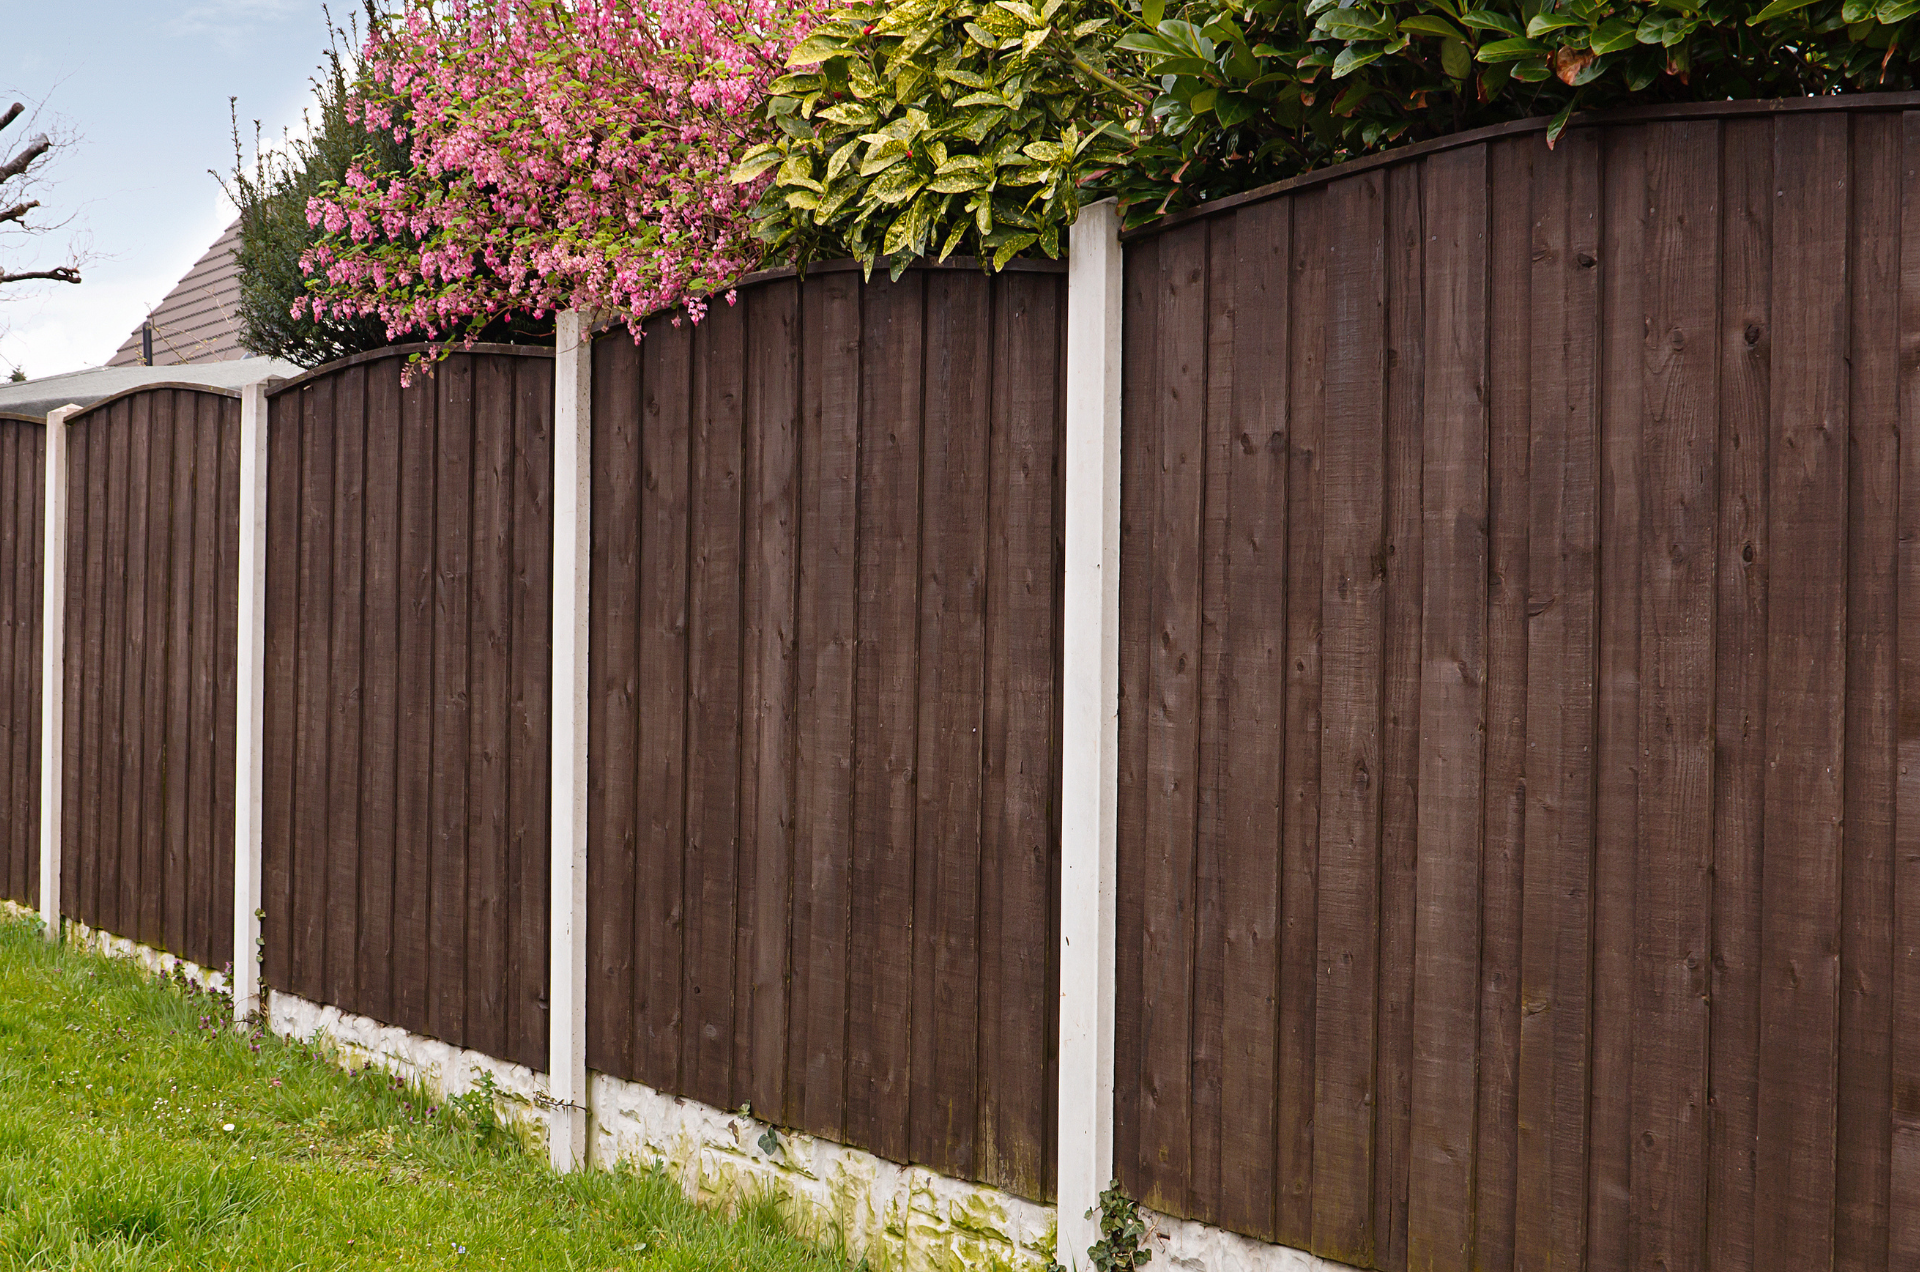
137	1132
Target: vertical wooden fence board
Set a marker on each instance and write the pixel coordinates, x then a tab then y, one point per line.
346	521
955	514
659	911
107	664
1139	412
1453	709
286	423
159	668
37	638
219	951
13	563
1208	984
489	690
1020	828
1806	689
1515	211
612	802
824	740
1740	636
1252	728
1903	1218
380	692
132	651
1864	1126
447	948
773	360
1314	227
1557	928
529	741
413	877
1672	898
1352	614
1172	722
1400	709
208	908
713	704
885	660
29	603
312	623
1618	730
86	541
17	556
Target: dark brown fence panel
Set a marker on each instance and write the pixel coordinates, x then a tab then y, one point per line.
23	481
823	834
1516	860
408	663
152	537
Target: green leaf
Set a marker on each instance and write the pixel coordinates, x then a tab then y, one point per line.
1545	22
1510	50
1143	42
1353	24
1352	58
953	239
1488	20
1456	59
754	162
851	114
1428	24
1613	34
1559	124
814	50
897	185
1202	102
1012	248
1152	11
1894	11
837	165
794	85
1777	9
958	183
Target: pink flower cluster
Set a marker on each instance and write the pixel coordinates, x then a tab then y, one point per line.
565	154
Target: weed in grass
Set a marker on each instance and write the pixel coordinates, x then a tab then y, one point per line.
116	1098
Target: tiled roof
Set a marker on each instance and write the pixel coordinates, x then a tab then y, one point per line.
199	321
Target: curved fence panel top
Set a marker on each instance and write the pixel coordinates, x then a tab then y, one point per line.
1516	859
408	652
22	492
152	537
823	841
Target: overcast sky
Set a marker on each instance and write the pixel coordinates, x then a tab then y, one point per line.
144	87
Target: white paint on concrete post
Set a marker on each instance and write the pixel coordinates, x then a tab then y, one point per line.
250	699
1090	724
53	663
572	546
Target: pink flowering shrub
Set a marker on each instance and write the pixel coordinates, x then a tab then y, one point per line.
564	154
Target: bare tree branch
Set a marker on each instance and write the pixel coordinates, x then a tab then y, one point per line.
13	113
62	274
22	161
18	210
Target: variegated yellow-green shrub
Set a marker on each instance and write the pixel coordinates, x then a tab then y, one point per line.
940	126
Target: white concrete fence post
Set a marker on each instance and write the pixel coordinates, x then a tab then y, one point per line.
53	662
1090	724
250	700
572	550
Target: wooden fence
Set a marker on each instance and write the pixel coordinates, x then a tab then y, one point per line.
148	763
1520	851
22	483
409	568
823	833
1518	830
